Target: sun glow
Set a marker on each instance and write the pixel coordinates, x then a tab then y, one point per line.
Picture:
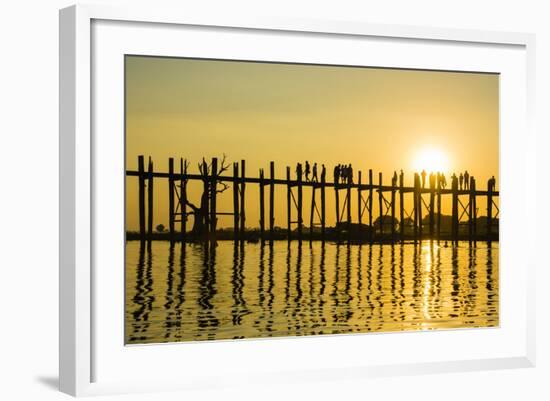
431	160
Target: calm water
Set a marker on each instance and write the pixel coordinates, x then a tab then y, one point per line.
193	293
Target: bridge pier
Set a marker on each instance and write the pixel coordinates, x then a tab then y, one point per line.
141	197
489	210
271	200
455	209
380	206
312	213
415	204
242	199
359	199
432	202
288	205
213	196
323	207
183	199
300	220
401	207
171	214
262	206
150	200
393	212
348	207
236	216
438	223
371	185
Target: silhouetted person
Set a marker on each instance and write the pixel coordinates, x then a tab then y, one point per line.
492	184
466	180
323	173
394	179
307	170
454	180
299	171
432	180
423	174
350	173
438	180
336	174
472	183
344	173
443	181
460	181
314	173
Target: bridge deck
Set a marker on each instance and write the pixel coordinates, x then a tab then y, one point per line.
267	181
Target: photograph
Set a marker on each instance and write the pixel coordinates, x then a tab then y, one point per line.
277	199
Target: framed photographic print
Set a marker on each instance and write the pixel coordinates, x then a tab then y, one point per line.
255	201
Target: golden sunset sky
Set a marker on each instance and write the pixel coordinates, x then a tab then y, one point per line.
384	119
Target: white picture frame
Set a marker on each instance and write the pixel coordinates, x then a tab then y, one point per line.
79	316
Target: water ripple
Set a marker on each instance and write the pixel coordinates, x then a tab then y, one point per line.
195	292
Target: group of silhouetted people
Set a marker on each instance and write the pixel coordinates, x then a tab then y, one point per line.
343	174
310	170
464	181
436	180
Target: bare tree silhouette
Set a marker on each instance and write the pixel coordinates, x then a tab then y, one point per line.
201	212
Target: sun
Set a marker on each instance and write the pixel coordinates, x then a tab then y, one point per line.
431	160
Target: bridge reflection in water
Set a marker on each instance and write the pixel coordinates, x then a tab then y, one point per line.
194	292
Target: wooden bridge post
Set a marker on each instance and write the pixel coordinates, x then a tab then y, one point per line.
171	198
183	199
150	200
474	229
213	195
141	197
438	223
416	185
401	206
393	211
206	185
471	210
288	205
243	187
323	212
380	205
262	206
235	202
455	209
348	207
359	200
371	184
300	219
419	199
489	210
271	200
337	205
312	210
432	204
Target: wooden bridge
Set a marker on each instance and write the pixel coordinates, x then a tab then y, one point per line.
212	176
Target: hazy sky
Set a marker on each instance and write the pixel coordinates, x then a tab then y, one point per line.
384	119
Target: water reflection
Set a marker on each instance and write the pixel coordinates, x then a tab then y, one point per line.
195	292
142	298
